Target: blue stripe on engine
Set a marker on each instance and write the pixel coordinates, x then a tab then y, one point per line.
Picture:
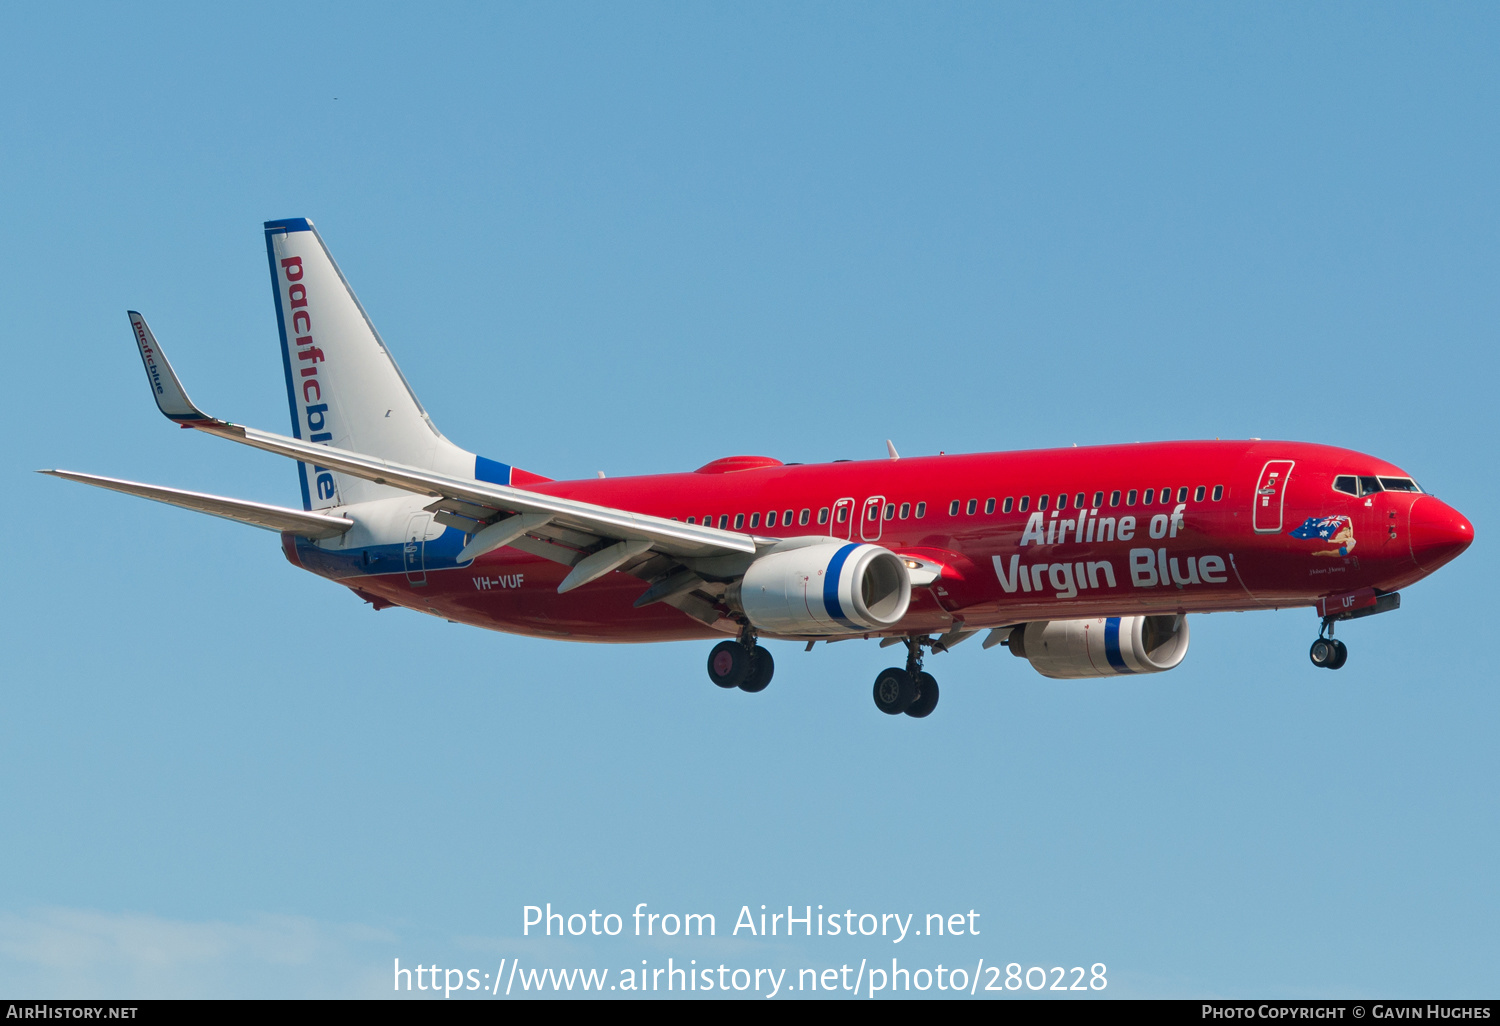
831	586
1112	645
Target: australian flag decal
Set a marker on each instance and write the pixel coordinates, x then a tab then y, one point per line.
1319	527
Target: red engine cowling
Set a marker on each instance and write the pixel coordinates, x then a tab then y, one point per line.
1103	646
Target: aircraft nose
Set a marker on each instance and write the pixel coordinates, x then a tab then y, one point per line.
1437	533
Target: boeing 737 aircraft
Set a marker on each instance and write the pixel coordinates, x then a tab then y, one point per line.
1083	561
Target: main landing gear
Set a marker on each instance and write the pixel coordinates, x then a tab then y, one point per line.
908	690
741	664
745	665
1328	653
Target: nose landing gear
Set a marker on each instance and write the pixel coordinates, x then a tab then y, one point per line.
907	690
1328	653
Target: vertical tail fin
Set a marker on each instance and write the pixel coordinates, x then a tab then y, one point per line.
343	387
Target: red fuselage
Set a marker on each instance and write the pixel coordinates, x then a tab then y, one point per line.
1019	536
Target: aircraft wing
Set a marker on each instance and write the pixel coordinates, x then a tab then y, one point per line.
258	514
466	496
591	538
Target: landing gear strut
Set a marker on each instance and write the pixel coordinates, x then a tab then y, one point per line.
1328	653
908	690
741	663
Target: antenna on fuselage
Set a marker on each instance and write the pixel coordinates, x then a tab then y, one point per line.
892	450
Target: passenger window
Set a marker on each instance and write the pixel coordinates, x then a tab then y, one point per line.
1149	497
1010	503
1114	497
1130	497
804	516
739	521
843	514
1098	499
823	515
1346	483
921	510
1198	494
905	510
708	521
1369	485
771	519
786	520
1399	484
1218	492
754	519
1041	503
1078	502
872	513
953	508
890	511
723	521
973	505
692	520
1182	493
989	505
1062	501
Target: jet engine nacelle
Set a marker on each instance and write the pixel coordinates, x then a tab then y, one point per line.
826	587
1102	646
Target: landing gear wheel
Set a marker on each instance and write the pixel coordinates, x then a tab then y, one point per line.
895	691
729	664
1323	652
1340	655
927	697
762	666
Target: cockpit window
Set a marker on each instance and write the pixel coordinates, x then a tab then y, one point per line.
1352	485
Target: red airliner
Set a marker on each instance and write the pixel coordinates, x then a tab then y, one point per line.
1084	561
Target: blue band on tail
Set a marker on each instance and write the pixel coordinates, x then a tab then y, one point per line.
491	471
279	228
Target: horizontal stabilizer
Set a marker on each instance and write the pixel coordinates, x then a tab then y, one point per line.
259	514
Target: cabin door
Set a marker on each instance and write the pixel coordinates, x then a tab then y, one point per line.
842	524
414	549
1270	496
869	520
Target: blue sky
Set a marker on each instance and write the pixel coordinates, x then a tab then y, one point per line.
634	239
